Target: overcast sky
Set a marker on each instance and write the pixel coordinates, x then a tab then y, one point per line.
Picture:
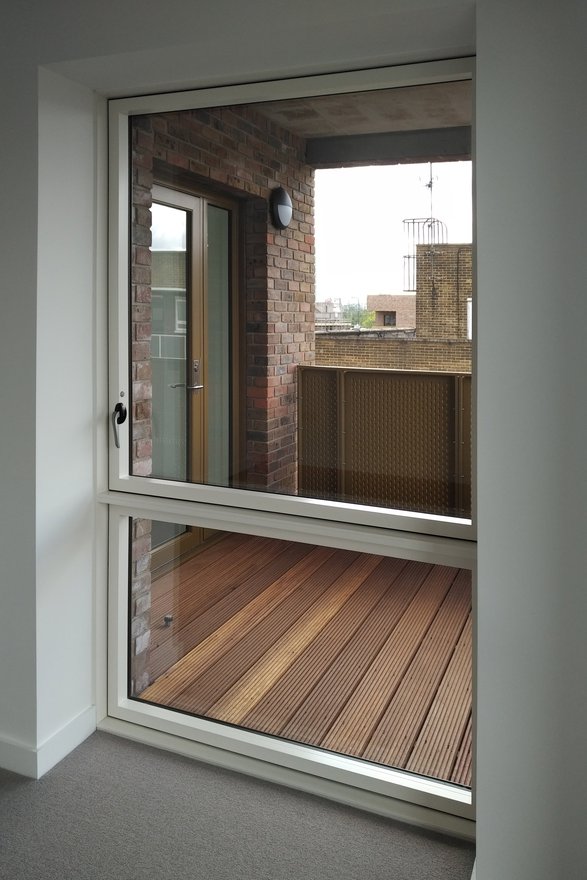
359	213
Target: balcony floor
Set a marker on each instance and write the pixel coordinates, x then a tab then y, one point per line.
360	654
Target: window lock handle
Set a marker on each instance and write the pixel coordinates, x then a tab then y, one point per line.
118	418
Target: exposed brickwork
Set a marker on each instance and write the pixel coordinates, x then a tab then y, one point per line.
453	356
140	296
444	282
140	611
240	151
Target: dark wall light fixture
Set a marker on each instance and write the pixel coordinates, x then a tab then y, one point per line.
281	208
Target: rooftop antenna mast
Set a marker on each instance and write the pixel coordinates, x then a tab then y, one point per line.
423	231
431	252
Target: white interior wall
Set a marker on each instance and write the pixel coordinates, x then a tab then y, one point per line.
532	314
18	224
65	415
532	424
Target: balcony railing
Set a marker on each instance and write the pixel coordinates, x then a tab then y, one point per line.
395	439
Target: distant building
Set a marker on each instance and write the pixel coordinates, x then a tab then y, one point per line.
329	314
393	310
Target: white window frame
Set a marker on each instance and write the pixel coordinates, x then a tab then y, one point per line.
436	539
399	794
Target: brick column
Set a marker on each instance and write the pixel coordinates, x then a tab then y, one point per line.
140	605
141	406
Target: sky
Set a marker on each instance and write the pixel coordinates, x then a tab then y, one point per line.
359	213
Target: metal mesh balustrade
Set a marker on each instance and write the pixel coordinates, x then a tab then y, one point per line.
318	472
386	438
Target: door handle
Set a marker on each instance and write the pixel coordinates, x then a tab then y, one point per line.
196	371
196	386
118	418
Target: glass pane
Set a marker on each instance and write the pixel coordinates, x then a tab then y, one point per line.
355	653
329	359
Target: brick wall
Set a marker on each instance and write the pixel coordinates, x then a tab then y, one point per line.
140	600
394	354
238	150
444	283
241	154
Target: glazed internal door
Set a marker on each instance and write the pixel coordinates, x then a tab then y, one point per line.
192	264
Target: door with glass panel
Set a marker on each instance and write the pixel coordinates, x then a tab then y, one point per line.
192	359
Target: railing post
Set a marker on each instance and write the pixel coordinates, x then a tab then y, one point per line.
341	448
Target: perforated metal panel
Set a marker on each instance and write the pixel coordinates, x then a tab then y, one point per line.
318	433
390	439
399	432
465	445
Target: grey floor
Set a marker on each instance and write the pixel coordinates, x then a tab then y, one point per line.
117	809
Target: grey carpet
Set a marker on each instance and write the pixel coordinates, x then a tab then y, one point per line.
117	809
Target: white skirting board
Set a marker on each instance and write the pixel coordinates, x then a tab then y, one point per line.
28	760
18	757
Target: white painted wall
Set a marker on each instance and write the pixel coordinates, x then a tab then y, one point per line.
18	222
532	367
532	723
66	427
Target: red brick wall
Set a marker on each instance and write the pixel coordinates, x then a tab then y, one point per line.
140	317
245	154
140	594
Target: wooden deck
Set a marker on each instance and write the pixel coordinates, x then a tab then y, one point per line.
360	654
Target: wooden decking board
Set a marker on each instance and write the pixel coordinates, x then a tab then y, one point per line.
436	748
166	584
223	625
235	704
354	726
270	578
322	706
279	704
204	589
363	655
462	771
208	582
393	738
222	671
